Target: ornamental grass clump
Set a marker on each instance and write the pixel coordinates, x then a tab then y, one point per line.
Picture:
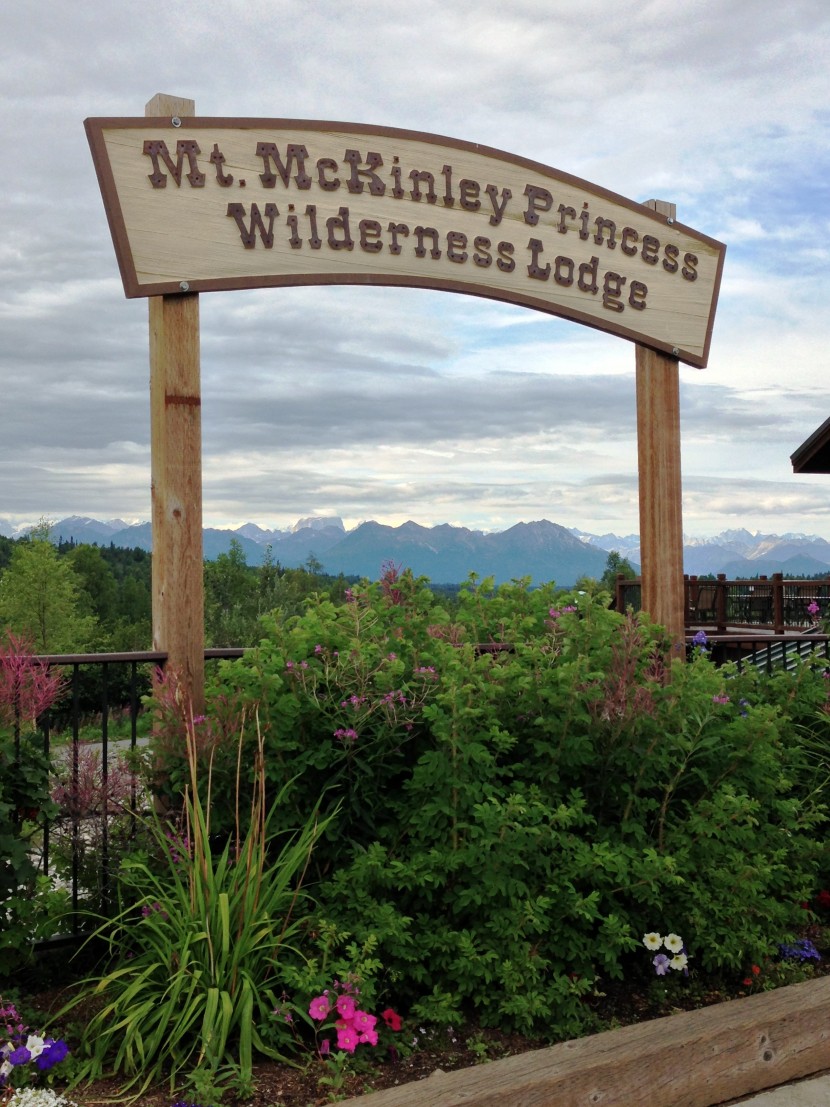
196	950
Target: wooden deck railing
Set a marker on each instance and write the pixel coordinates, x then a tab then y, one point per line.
773	603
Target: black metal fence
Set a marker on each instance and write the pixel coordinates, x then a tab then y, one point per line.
92	737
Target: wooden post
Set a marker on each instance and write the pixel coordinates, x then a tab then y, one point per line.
176	449
661	509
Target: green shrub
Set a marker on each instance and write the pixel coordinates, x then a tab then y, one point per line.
511	821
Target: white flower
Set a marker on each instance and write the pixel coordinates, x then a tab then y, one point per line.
38	1097
652	940
34	1045
673	942
679	961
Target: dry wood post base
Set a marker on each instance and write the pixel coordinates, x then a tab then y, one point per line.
693	1059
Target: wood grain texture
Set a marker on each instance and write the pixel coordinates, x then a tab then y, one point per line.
694	1059
176	461
661	506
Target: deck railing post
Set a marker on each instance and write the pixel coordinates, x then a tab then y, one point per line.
721	598
778	602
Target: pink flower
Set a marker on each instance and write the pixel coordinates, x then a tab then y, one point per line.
346	1039
813	608
346	1008
363	1022
370	1036
324	1047
319	1008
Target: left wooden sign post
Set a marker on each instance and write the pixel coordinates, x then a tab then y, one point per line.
176	464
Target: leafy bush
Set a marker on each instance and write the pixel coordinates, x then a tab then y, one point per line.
510	821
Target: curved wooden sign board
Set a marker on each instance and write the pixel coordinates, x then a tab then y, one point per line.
199	204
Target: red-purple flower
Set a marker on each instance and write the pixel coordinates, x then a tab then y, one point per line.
346	1007
319	1008
347	1037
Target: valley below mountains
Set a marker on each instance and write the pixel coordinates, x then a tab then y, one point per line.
446	554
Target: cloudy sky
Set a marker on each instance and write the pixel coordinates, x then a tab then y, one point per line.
394	404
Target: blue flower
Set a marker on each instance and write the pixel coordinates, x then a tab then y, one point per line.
800	950
53	1053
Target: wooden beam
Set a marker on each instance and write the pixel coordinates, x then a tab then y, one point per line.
694	1059
176	462
661	496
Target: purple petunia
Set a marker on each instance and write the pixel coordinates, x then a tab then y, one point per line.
801	950
661	964
53	1053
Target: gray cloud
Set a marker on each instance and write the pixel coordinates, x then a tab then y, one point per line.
383	402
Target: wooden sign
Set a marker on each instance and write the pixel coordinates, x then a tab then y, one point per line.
199	204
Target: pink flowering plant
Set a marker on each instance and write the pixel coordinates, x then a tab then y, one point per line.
342	1021
333	1009
341	1025
102	805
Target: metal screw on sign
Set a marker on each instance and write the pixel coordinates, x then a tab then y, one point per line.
674	349
176	121
670	221
184	286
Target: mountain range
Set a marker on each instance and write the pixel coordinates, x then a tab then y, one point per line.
541	550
